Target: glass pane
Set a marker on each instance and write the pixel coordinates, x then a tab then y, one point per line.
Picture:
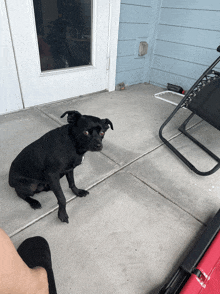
64	32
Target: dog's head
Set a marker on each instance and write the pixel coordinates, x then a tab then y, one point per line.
88	131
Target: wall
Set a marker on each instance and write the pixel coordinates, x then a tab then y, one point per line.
187	35
182	35
134	27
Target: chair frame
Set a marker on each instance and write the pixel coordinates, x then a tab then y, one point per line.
206	77
189	264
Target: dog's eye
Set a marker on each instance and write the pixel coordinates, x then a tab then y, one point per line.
102	133
86	133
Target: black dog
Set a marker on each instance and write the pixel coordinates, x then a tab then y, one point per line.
40	165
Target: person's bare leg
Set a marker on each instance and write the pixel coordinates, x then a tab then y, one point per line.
15	276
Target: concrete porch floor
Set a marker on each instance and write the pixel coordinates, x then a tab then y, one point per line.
145	209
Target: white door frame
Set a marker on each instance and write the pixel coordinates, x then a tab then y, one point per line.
109	61
10	94
113	42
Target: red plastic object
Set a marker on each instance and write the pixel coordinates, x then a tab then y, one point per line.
209	280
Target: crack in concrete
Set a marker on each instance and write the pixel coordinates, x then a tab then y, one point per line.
164	196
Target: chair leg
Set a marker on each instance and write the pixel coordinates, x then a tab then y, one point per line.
183	103
183	125
183	130
183	158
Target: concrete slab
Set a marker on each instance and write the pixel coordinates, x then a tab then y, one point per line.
164	172
135	227
122	238
20	129
136	116
17	131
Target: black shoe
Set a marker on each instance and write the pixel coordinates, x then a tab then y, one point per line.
36	252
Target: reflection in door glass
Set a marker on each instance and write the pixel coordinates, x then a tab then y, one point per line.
64	33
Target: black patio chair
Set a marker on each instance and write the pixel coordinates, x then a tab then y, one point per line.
203	100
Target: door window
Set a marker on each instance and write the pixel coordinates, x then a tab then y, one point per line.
63	32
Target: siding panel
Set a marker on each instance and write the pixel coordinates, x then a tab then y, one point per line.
190	4
137	2
126	48
178	67
190	36
135	26
161	79
182	38
135	14
200	19
184	52
131	31
129	63
130	77
187	35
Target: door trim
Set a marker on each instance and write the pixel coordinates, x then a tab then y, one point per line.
112	28
114	15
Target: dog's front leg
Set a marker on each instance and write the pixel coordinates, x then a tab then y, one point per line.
76	191
54	183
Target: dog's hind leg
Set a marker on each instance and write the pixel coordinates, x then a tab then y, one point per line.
24	192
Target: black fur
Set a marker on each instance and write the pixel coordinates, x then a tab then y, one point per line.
40	165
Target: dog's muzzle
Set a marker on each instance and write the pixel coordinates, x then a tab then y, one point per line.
96	146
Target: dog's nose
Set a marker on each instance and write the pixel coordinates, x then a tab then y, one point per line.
98	146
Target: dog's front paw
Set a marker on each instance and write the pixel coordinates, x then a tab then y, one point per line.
82	193
63	216
79	192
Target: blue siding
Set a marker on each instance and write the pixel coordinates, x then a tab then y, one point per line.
190	36
131	31
129	62
161	76
168	65
131	77
182	37
188	33
200	19
126	48
137	2
135	14
192	4
198	55
134	27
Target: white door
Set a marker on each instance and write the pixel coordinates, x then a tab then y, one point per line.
64	48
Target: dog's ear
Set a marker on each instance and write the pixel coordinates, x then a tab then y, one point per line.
72	117
107	122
